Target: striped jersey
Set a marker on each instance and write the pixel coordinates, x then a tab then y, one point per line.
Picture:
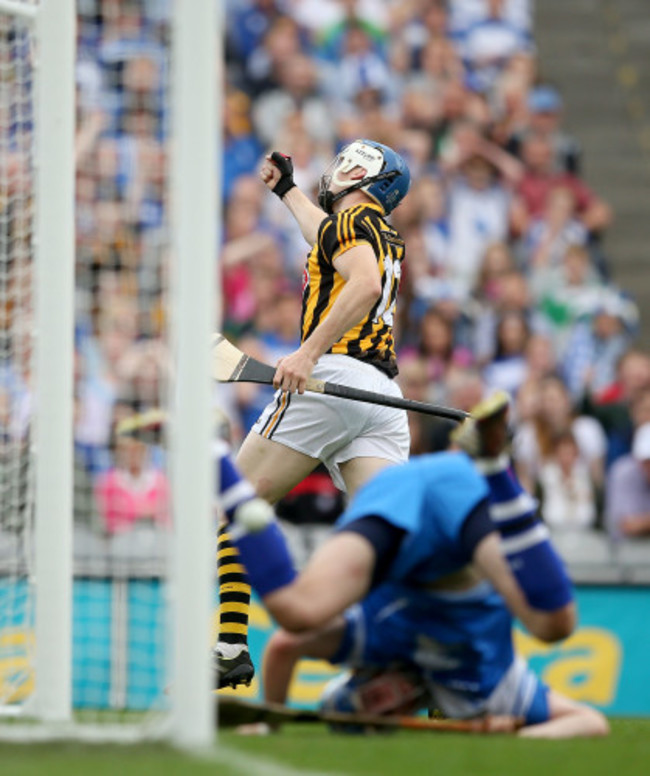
525	540
371	339
512	509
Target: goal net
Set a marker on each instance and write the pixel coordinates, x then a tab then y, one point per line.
16	374
125	536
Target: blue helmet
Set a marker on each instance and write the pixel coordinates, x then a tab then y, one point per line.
387	176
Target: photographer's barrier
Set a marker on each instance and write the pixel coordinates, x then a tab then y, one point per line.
119	659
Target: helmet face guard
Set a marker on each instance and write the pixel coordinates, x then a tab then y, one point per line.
386	180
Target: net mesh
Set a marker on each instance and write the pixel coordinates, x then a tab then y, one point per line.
122	509
122	524
16	332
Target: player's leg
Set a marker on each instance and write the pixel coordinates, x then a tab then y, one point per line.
568	719
272	468
545	713
284	650
231	659
384	441
358	471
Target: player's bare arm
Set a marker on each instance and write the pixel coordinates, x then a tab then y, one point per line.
358	268
316	595
283	650
277	174
490	562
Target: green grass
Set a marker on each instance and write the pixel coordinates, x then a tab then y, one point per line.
307	749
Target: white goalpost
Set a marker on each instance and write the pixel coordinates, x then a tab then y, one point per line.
54	313
108	301
194	210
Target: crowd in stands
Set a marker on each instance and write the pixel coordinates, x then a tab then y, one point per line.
507	283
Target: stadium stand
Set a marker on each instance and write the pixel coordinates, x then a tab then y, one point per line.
499	214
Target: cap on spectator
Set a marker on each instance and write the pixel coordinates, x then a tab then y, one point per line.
544	99
641	444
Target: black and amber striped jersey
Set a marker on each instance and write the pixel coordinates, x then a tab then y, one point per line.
371	339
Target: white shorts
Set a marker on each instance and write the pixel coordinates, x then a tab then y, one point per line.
519	693
336	430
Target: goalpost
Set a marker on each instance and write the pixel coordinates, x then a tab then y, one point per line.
104	633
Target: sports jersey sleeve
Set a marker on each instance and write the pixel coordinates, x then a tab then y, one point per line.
234	490
385	539
525	539
344	231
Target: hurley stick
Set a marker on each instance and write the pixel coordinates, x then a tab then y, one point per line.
230	365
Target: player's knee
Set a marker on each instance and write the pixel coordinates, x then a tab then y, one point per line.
282	644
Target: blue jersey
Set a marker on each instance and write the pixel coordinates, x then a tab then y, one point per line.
458	643
429	498
234	490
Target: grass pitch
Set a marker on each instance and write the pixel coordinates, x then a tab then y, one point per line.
301	750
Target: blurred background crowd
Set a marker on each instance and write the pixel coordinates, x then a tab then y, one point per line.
507	282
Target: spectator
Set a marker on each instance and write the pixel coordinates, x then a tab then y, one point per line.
414	381
248	22
512	295
549	236
245	239
623	405
567	491
326	22
541	358
545	116
628	490
597	342
479	203
566	292
541	178
464	13
282	39
241	148
507	370
358	69
551	414
297	92
496	263
487	45
275	335
439	351
509	101
132	491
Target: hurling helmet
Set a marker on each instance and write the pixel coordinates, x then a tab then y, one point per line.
387	176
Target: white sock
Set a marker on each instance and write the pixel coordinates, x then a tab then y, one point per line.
230	650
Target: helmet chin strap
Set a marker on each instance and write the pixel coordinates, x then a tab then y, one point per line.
326	199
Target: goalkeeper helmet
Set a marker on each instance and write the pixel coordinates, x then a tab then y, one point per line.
387	177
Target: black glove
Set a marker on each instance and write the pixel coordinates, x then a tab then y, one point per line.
285	165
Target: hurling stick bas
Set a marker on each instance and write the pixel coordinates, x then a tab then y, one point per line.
233	712
230	365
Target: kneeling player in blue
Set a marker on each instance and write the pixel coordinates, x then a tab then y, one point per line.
418	551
